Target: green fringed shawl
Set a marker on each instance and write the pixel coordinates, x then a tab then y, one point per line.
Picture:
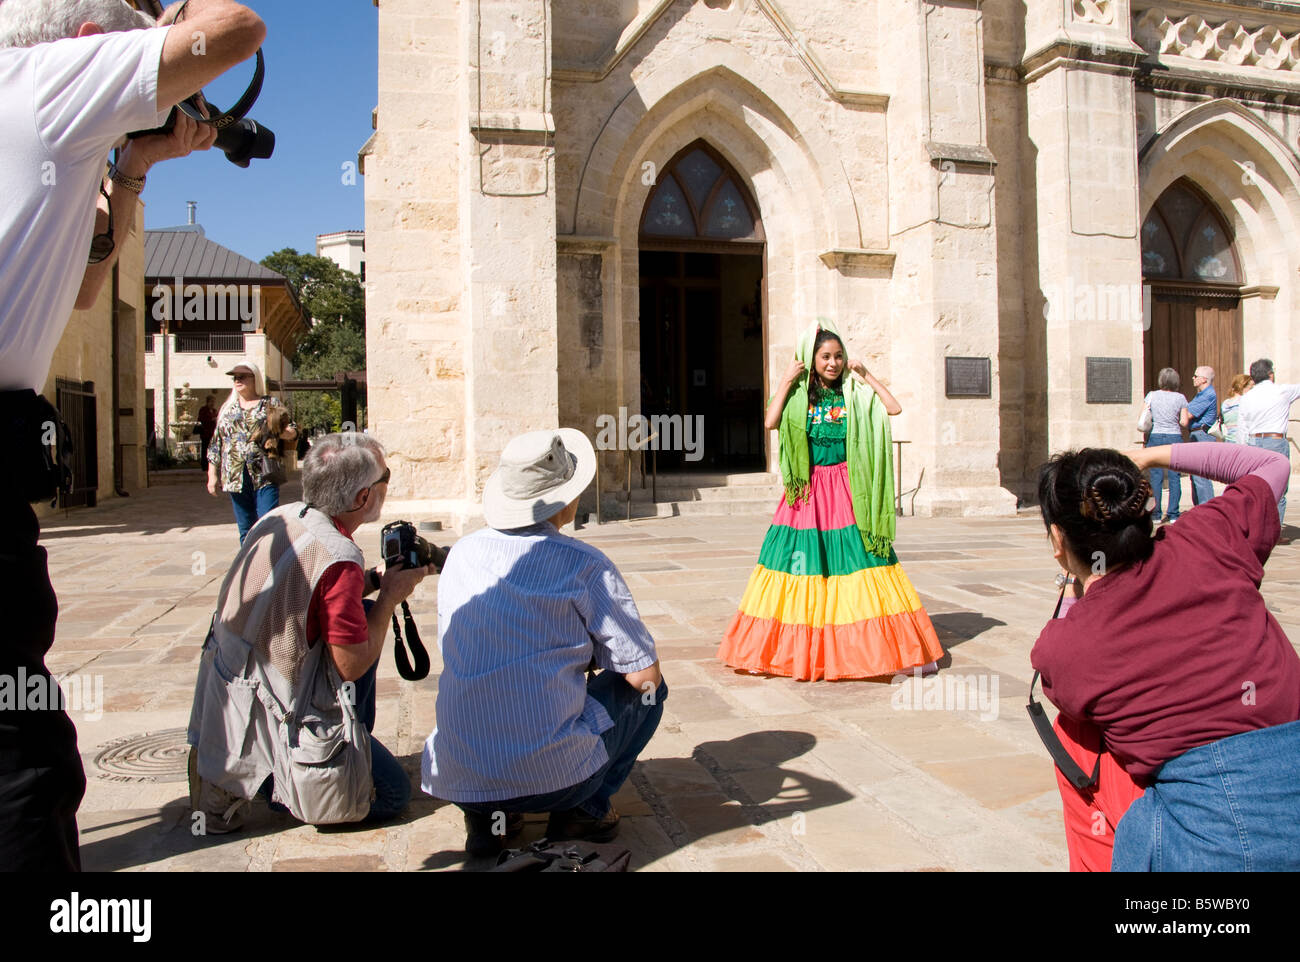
868	446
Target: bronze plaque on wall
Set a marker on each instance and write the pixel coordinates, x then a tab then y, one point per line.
968	377
1110	380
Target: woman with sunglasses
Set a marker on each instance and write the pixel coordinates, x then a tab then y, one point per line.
1183	702
237	457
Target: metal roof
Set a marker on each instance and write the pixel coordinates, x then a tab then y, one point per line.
185	252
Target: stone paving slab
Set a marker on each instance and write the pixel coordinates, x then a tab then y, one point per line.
744	774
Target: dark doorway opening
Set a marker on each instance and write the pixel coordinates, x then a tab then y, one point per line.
702	313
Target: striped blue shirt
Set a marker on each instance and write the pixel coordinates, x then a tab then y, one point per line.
521	614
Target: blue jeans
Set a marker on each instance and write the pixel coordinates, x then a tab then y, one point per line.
251	505
1158	476
1230	806
634	725
1202	488
1281	446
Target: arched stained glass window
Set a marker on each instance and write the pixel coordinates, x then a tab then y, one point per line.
700	197
1185	238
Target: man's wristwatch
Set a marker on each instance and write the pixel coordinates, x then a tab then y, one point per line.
134	184
372	579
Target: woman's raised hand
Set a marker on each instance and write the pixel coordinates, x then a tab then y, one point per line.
796	368
859	367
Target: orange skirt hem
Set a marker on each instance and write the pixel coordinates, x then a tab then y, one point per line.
872	648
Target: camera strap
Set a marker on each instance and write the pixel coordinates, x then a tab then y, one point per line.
418	652
1068	766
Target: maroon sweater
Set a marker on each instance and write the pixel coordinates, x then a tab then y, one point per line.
1179	650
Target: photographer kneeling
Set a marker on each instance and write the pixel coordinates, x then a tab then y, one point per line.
1178	689
286	686
75	77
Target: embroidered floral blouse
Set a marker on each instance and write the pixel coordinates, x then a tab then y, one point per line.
232	448
827	427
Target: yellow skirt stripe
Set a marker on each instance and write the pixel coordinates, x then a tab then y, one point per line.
838	600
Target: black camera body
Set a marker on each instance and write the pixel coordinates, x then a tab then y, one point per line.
402	546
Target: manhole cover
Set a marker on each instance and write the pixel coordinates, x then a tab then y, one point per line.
151	757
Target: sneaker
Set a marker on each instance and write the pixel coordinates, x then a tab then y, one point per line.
480	839
222	812
576	824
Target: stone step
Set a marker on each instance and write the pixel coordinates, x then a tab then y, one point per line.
616	509
746	492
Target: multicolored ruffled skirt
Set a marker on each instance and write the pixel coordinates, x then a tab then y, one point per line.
820	605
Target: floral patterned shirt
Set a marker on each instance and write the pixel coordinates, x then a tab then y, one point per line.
827	427
232	448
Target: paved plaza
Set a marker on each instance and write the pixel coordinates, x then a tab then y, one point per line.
744	774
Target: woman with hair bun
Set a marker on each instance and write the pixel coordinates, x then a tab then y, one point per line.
1185	702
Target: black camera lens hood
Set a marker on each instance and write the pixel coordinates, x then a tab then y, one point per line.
235	114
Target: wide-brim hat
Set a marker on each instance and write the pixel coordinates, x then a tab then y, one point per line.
539	474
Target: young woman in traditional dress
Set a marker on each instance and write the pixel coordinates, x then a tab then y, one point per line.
828	599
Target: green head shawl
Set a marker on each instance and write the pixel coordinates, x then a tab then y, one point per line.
868	446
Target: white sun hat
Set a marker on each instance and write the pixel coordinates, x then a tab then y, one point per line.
539	474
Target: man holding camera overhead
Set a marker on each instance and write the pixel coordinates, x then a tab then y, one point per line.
75	77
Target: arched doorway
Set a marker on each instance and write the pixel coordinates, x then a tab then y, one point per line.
1195	278
701	274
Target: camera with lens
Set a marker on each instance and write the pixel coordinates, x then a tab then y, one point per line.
241	138
401	545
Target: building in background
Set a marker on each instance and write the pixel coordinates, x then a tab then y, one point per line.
1016	212
347	248
97	382
207	307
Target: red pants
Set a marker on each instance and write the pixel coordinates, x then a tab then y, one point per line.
1092	814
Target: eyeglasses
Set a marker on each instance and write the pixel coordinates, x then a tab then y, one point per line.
241	377
383	478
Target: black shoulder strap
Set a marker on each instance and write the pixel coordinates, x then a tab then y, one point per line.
1069	768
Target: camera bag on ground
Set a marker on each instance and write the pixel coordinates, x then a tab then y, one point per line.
267	702
42	446
547	856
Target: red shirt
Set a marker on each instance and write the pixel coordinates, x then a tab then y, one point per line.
335	612
1179	651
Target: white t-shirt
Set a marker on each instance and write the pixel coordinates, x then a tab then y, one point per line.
63	106
1266	408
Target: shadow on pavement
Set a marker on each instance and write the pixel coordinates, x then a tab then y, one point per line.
695	797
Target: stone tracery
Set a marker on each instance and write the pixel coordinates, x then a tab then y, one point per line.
1229	42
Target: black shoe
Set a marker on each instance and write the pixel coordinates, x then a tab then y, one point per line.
480	839
577	824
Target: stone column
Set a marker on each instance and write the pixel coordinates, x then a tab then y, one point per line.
945	298
416	322
507	195
1081	130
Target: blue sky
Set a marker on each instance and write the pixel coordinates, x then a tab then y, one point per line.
320	87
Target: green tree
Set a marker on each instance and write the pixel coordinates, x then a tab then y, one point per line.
337	340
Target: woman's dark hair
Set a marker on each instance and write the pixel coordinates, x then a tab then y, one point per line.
815	388
1101	502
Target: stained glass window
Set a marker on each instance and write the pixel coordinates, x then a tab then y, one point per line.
1185	238
668	212
718	208
699	173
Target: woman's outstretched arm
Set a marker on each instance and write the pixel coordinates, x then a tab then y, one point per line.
772	419
891	403
1218	462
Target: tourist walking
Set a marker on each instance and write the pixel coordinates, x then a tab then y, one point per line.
1184	705
828	599
1169	415
207	426
1263	417
1203	412
1232	408
249	423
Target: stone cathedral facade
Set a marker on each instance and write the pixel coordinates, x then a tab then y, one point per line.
1017	211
